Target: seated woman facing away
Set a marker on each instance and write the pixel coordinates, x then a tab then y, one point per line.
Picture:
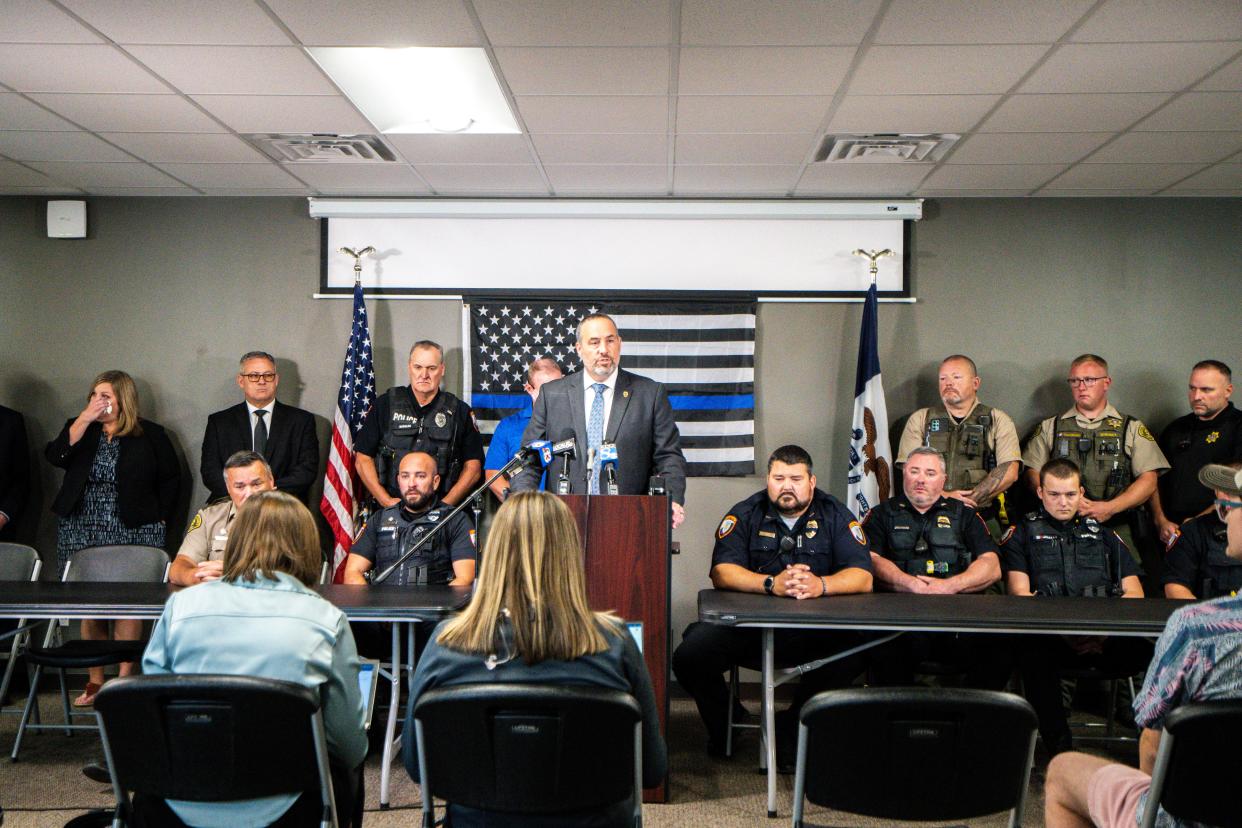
529	613
262	618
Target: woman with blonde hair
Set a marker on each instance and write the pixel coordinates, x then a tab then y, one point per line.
121	487
529	621
264	618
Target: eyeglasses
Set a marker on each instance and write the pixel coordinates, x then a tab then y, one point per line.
267	377
1074	382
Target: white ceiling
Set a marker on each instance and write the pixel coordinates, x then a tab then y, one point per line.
636	97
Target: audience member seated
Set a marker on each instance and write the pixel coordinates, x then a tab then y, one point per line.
529	621
1198	658
1197	564
263	618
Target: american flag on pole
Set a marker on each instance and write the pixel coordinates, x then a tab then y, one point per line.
871	459
355	399
703	353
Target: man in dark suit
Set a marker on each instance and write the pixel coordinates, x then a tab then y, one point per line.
284	435
603	404
14	471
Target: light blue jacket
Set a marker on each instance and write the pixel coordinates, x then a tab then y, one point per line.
274	628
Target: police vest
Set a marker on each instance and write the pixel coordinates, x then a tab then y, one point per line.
1070	561
1100	454
396	535
968	447
1224	574
931	543
434	433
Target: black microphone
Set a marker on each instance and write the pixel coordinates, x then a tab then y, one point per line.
571	453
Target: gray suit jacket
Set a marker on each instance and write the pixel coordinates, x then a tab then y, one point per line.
640	423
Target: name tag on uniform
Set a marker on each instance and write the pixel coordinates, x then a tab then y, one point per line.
388	530
766	534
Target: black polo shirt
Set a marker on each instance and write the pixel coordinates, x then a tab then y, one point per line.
1190	444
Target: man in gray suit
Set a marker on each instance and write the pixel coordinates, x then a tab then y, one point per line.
603	404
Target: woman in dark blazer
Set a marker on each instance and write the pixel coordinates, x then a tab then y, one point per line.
121	485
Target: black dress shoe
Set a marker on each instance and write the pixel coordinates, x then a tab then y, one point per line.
97	772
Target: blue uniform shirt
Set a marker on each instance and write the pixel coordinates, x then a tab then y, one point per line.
507	440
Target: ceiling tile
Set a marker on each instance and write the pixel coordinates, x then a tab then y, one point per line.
607	71
57	146
775	22
1198	111
60	68
1027	147
1138	20
142	192
1073	192
88	174
637	148
734	148
729	179
861	179
1127	67
598	113
37	21
286	113
608	178
1123	176
747	113
1071	113
922	70
50	190
15	175
1226	79
244	191
910	113
931	192
1221	176
18	113
377	22
498	179
261	176
180	21
236	70
969	21
991	176
130	113
184	147
361	178
1170	147
575	23
462	149
761	70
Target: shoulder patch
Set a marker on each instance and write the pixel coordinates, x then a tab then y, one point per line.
197	522
473	542
726	526
1144	433
857	532
1008	534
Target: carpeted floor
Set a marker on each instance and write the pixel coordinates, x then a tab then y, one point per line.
46	788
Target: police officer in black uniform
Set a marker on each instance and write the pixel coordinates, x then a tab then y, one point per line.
420	417
790	541
1197	566
927	543
1056	552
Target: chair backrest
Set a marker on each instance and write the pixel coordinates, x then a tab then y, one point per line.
916	753
529	748
1190	778
133	564
18	562
210	738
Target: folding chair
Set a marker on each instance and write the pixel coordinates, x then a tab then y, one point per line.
1194	775
18	562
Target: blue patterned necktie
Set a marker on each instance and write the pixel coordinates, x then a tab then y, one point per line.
595	431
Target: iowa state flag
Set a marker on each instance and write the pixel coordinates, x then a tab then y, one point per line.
871	459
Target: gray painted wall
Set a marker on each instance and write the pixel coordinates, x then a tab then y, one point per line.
174	290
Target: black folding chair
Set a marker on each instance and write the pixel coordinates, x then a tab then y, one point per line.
530	749
915	753
18	562
212	738
94	563
1191	779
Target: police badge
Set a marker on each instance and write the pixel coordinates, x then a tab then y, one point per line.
441	420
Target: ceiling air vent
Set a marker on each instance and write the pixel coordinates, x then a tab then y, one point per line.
885	147
323	148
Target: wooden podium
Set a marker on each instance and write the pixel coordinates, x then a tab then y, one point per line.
626	538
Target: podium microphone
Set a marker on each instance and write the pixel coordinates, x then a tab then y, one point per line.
567	447
590	466
608	466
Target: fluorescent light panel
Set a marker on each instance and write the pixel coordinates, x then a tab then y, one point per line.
420	89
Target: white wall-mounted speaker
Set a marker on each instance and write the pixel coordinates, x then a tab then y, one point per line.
66	219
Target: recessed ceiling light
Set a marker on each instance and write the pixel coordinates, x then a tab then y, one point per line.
420	89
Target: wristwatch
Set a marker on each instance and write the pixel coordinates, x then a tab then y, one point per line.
768	582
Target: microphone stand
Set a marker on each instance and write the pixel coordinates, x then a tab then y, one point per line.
516	462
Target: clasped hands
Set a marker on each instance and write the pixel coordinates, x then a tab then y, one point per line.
798	581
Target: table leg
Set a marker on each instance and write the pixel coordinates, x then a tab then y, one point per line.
769	714
391	726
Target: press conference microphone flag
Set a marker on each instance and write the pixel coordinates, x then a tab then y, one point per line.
608	466
562	480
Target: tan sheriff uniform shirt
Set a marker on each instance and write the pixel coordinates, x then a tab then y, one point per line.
1003	434
208	532
1138	444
